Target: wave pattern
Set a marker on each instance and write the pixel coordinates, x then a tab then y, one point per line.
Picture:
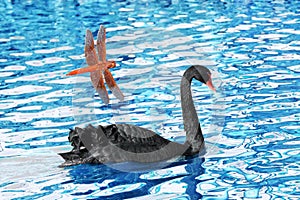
251	125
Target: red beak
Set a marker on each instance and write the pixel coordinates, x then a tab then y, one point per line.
210	85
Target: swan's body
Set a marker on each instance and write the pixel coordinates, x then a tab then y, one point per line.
123	142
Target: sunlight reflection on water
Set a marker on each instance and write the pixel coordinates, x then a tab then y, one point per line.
251	125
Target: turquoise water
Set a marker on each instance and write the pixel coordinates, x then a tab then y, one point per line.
251	125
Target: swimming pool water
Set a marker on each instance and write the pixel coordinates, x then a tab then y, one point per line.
251	125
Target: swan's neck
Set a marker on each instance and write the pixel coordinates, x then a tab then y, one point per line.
194	136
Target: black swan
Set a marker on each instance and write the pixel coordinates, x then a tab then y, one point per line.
123	142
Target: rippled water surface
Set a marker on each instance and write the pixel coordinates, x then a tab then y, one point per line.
251	124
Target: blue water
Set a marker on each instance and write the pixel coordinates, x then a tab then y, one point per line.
251	124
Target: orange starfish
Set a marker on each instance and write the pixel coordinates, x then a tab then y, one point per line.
98	66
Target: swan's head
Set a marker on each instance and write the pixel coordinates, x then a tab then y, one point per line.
203	75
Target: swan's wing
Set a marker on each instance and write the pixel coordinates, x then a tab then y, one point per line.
110	81
101	47
135	135
119	143
98	83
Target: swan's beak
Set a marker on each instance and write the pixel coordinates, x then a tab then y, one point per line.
210	85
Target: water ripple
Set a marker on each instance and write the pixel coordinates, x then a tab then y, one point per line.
251	125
